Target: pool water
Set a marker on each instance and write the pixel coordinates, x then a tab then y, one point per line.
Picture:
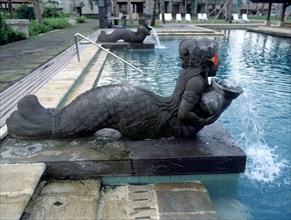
259	120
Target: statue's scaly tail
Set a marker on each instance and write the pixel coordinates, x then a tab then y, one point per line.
31	120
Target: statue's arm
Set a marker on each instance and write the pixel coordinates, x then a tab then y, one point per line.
144	29
190	98
185	111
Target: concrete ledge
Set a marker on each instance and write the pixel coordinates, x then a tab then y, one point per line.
20	25
18	182
276	31
212	152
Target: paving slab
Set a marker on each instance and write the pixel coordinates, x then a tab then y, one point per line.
105	153
186	200
17	184
64	199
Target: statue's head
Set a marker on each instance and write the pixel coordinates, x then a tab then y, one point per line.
200	52
144	22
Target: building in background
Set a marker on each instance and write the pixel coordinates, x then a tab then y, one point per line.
144	7
15	3
81	6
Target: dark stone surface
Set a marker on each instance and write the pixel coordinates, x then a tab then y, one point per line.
88	169
125	45
212	151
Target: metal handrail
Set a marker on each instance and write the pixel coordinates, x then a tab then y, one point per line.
92	42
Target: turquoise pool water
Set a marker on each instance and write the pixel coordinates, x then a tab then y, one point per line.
259	120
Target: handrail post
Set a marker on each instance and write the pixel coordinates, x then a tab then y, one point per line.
77	48
124	61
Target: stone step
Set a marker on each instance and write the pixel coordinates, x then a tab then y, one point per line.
183	200
18	182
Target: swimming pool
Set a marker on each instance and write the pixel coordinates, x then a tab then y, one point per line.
259	120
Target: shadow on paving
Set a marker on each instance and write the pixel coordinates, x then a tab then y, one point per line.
20	58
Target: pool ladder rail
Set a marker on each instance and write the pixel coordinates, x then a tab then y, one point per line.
92	42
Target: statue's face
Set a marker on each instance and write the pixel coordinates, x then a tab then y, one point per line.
214	65
144	22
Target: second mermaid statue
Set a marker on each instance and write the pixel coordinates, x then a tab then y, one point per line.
127	35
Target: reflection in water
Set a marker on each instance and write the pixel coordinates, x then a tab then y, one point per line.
260	119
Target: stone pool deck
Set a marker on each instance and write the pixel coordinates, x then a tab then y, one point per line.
25	181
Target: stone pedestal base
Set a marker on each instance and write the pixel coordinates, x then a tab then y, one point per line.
105	154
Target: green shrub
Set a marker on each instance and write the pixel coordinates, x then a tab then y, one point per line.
56	23
7	34
53	12
36	28
4	34
24	12
4	29
48	24
3	16
16	36
81	19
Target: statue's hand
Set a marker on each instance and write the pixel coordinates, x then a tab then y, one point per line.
203	121
195	119
210	120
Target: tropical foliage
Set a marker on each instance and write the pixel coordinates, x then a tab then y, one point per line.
8	35
50	12
47	25
81	19
52	18
24	11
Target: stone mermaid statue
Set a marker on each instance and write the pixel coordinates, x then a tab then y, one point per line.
136	112
127	35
